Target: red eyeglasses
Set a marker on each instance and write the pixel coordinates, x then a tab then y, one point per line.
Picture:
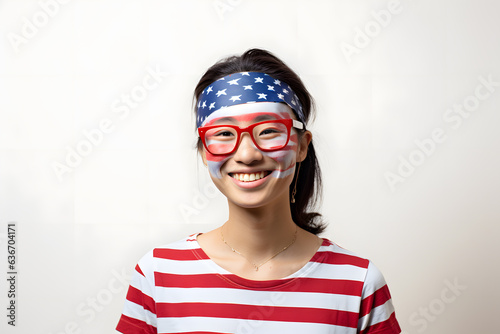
267	136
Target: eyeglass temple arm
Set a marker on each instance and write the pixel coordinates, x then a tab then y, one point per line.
297	124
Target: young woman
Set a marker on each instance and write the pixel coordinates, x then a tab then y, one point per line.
264	270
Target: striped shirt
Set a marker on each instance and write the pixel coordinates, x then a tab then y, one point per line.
179	289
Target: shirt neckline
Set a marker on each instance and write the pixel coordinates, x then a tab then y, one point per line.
311	265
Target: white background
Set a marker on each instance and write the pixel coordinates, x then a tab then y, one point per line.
80	233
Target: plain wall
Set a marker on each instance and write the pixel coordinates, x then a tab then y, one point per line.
406	131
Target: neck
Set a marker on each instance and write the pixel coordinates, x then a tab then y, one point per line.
259	232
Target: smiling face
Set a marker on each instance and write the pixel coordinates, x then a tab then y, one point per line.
250	176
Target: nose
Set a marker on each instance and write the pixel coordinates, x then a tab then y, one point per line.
247	152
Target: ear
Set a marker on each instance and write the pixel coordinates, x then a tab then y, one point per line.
304	141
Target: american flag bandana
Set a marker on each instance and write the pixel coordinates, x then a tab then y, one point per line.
245	87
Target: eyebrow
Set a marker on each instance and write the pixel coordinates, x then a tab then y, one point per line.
259	118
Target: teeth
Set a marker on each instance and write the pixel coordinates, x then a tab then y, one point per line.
248	177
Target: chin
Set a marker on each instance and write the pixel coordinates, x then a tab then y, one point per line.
253	201
248	203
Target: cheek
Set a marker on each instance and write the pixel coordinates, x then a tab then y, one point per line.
214	163
286	159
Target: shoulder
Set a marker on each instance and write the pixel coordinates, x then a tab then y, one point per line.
184	249
335	254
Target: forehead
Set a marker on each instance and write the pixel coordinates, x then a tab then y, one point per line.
250	112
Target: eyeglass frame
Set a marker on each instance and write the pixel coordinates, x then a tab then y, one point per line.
289	123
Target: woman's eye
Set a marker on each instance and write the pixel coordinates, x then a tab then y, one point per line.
224	134
268	132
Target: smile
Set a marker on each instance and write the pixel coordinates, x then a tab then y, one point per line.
244	177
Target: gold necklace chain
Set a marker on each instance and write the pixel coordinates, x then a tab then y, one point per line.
257	266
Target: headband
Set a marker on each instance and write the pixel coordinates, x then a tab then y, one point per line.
245	87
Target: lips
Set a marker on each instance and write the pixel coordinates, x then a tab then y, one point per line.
249	177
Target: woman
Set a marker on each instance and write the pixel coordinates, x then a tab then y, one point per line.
264	270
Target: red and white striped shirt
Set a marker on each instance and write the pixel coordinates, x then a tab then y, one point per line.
179	289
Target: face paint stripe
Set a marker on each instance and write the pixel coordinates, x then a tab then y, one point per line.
214	167
211	157
240	110
284	114
246	117
282	173
286	169
220	147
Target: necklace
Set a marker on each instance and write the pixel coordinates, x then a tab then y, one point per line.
257	266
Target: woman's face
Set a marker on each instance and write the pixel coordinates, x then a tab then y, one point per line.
272	171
